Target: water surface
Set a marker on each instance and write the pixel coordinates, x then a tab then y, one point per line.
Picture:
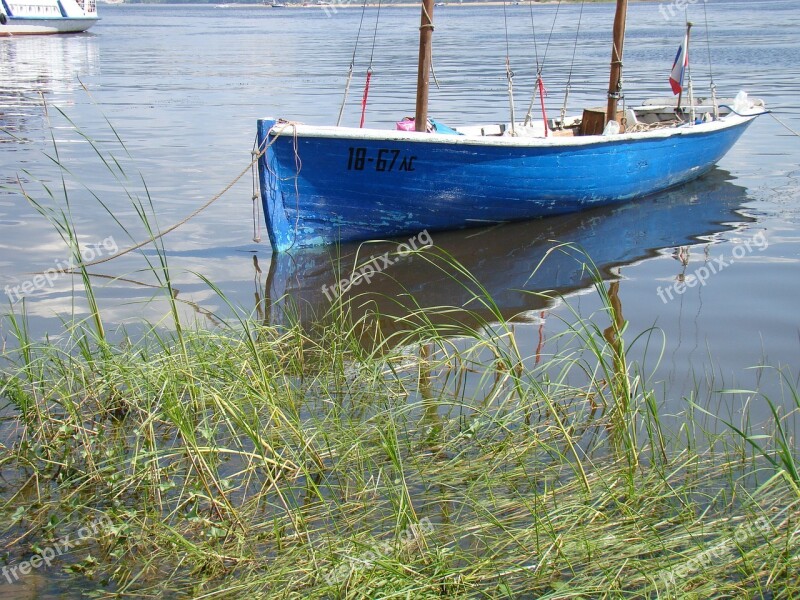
168	97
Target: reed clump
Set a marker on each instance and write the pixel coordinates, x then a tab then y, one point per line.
436	461
257	460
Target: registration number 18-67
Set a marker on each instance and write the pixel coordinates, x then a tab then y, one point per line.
385	161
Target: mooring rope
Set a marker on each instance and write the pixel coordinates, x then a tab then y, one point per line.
257	154
256	210
772	114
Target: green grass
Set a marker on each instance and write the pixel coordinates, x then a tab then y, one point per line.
430	459
252	460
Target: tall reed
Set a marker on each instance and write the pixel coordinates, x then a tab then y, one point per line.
429	459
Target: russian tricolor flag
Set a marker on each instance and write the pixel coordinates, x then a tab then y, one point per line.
680	66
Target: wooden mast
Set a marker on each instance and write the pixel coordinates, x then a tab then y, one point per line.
689	26
423	75
615	83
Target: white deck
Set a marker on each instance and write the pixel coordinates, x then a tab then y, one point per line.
533	135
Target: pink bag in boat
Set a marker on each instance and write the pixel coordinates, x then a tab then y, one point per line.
408	124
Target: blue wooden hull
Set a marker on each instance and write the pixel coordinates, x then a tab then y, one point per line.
328	185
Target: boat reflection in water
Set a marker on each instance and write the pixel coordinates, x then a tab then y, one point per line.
522	266
35	66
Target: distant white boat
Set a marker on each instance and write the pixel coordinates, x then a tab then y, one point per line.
26	17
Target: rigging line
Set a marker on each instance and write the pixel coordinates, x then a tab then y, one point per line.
550	37
689	25
710	65
708	44
352	64
572	65
575	47
346	93
577	37
539	85
364	98
529	114
429	17
509	72
433	69
505	23
358	35
433	74
533	28
369	69
375	34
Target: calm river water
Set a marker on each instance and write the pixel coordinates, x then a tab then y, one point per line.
169	96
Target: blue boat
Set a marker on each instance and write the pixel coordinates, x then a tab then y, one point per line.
324	185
